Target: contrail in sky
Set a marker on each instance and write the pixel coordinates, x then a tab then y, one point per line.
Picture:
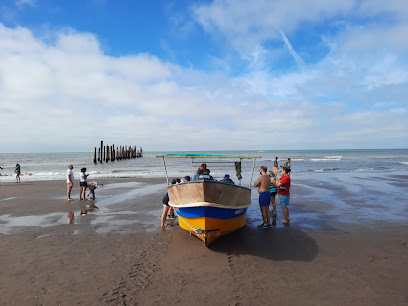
301	64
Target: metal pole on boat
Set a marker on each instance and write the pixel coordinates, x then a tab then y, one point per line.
253	168
165	169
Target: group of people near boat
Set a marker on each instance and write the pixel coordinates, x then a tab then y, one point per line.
202	173
268	186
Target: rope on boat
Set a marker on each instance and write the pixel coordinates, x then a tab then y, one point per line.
198	231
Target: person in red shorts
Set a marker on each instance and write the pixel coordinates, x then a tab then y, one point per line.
283	186
70	181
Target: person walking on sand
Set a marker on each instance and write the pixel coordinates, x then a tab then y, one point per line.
263	183
83	183
273	191
70	181
275	167
283	186
17	171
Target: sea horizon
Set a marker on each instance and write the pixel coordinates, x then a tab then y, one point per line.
53	165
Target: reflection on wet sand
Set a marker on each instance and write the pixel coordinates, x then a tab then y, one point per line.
71	217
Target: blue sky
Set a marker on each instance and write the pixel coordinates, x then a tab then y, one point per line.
195	75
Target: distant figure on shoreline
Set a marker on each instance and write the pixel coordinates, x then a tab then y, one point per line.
283	185
83	183
263	183
287	165
17	171
70	181
1	167
276	167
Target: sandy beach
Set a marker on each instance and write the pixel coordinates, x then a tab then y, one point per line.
346	244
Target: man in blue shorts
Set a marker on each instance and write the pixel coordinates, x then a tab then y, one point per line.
263	183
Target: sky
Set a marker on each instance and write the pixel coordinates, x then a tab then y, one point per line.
191	75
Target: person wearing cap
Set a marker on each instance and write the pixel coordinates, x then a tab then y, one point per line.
226	179
186	179
283	186
263	183
201	169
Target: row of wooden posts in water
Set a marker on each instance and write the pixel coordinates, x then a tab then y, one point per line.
108	153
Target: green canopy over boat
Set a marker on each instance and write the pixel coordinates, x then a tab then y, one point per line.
200	155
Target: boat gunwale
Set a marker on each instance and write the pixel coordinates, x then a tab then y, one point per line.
209	204
208	181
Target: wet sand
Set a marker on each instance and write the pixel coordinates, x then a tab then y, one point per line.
346	244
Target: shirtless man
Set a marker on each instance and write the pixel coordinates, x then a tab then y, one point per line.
263	183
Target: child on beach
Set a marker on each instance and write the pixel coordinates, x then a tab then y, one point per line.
92	186
83	183
273	192
17	171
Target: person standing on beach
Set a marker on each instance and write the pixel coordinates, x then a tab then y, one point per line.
167	209
17	171
283	186
273	190
275	166
70	181
263	183
1	168
83	183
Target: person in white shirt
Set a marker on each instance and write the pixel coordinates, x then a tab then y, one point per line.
83	182
70	181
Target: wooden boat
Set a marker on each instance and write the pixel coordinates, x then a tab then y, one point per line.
209	209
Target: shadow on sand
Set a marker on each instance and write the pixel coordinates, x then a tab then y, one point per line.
286	243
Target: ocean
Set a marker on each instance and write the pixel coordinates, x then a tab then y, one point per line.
52	166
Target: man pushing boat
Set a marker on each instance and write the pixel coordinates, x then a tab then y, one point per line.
263	183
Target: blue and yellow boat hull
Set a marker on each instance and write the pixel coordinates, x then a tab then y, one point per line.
210	223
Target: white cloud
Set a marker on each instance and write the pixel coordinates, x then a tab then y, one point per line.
245	25
65	94
21	3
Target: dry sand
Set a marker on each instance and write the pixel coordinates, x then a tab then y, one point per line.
118	255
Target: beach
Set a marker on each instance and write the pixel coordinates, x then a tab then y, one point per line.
346	244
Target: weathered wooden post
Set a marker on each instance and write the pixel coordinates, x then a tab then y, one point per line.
94	160
101	151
